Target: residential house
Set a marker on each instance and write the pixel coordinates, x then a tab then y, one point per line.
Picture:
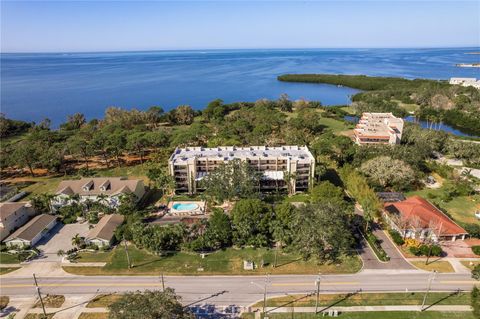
103	233
108	190
190	165
14	215
378	128
417	218
30	233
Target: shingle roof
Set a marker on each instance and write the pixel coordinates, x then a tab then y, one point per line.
32	228
116	185
105	228
423	211
8	208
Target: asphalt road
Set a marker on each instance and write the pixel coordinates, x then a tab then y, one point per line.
238	290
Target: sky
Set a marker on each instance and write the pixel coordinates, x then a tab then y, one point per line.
77	26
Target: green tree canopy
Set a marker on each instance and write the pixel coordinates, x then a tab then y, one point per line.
149	305
326	192
323	232
232	180
252	219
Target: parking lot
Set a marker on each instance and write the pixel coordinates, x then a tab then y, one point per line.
60	238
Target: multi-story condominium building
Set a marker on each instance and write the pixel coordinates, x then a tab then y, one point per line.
466	82
13	215
378	128
106	189
190	165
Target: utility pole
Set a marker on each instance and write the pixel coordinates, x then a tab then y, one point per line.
430	279
264	292
126	252
40	296
163	283
317	282
275	259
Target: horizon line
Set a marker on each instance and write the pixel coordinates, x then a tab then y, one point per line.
244	49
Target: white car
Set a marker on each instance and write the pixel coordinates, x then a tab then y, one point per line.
477	214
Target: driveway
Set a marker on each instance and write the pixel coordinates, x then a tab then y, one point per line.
370	260
60	237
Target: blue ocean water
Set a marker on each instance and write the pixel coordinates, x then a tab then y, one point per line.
35	86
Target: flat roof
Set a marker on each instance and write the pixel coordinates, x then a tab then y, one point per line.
225	153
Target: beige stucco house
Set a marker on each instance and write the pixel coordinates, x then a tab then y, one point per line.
14	215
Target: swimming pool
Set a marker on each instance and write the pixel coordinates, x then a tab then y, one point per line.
185	206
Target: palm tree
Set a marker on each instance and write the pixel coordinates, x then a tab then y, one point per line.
77	240
102	199
289	179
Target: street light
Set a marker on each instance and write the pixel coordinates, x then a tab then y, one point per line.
264	291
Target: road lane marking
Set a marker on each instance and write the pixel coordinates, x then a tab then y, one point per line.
458	282
313	283
84	285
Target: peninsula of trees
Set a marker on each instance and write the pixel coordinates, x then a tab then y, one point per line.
435	101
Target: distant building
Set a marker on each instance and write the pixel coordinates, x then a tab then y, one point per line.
112	188
14	215
466	82
417	218
378	128
30	233
103	232
190	165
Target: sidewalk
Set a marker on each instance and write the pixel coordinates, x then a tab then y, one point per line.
365	308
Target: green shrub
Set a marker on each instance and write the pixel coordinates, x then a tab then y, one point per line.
476	272
473	230
415	251
476	302
424	250
436	251
476	250
397	238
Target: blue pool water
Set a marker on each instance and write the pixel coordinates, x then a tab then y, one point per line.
35	86
185	207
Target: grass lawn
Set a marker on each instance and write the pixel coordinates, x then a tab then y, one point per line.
470	264
93	315
48	184
102	301
6	270
6	258
370	299
91	257
301	197
228	261
377	315
439	265
349	109
335	125
44	184
135	171
38	316
4	300
51	301
408	107
461	208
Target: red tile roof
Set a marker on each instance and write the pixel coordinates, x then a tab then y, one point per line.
425	212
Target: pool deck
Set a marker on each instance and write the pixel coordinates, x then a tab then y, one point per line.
198	211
